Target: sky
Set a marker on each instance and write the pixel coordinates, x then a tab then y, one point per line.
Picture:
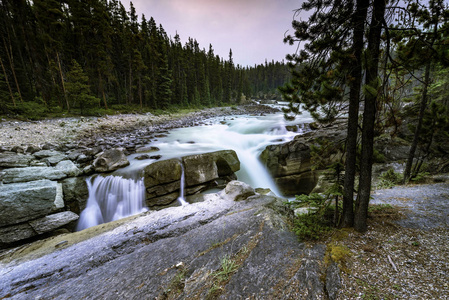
253	29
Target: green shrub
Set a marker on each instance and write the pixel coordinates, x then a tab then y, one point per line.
30	110
389	179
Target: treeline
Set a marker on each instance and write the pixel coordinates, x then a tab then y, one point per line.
87	56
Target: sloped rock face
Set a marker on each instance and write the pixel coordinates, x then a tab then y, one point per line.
176	253
162	179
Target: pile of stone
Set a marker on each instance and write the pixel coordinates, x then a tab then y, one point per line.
42	190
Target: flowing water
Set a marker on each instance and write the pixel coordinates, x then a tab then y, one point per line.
123	193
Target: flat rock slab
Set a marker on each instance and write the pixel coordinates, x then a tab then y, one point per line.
14	160
426	205
178	253
62	170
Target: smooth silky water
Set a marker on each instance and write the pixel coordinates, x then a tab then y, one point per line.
123	193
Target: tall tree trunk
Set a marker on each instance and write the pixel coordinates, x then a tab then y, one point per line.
7	83
353	113
62	83
369	115
422	109
102	90
11	64
140	92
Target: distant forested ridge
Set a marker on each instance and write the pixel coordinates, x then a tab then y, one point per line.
89	56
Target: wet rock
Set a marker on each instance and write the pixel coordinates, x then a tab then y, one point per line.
110	160
20	202
75	193
147	149
142	157
205	167
162	179
290	163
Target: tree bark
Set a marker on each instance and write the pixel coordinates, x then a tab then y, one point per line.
369	115
62	83
11	64
353	113
7	83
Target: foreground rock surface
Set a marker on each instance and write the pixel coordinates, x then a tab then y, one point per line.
177	253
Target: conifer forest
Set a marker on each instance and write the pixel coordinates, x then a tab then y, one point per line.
91	57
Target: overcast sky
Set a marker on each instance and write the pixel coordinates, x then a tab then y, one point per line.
253	29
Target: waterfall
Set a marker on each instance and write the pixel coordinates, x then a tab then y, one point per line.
181	198
112	198
115	197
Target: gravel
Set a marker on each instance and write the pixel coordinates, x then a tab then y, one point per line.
405	252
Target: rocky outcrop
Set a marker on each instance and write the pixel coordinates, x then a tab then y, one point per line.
32	200
291	164
26	201
110	160
216	249
162	179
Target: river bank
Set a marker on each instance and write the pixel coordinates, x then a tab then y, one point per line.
85	130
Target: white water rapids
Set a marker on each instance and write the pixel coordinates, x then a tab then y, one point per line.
123	194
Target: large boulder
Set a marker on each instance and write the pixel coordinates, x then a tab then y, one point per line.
205	167
21	202
162	179
110	160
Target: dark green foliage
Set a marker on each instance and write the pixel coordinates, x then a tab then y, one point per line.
126	62
315	223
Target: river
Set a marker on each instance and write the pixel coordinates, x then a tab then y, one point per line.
123	193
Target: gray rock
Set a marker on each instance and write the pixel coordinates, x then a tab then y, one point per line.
162	172
75	193
237	190
13	160
162	178
55	159
110	160
205	167
147	149
52	222
187	243
20	202
15	175
333	281
68	168
46	153
290	163
59	199
15	233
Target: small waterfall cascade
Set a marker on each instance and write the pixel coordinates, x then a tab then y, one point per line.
181	198
112	198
